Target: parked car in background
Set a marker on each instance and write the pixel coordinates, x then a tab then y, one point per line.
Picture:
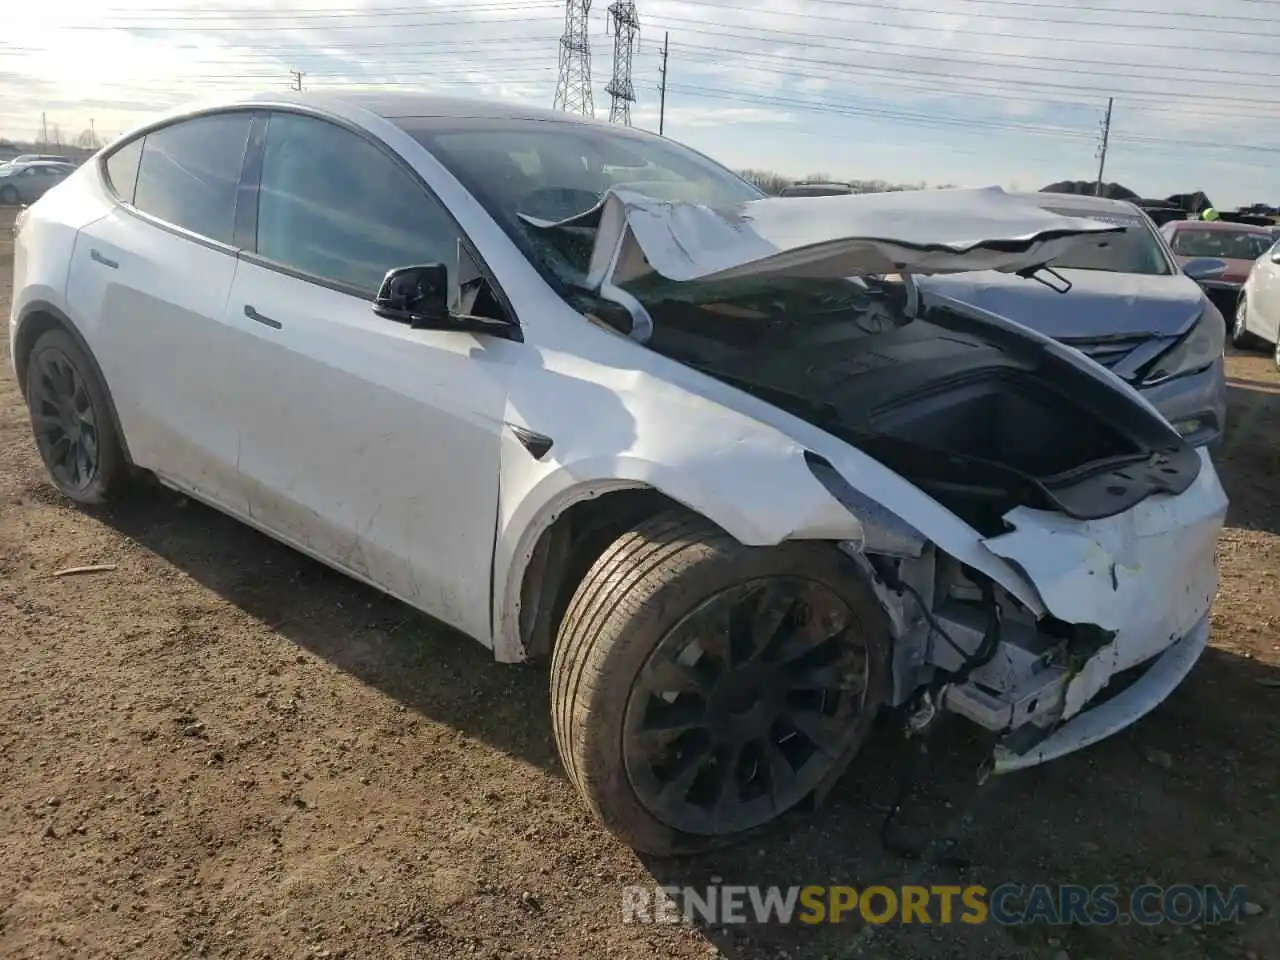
1257	314
1236	244
1131	307
39	158
28	182
588	396
815	189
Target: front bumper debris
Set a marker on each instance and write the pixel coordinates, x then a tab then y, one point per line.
1103	719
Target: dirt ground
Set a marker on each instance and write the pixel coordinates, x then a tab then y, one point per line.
221	748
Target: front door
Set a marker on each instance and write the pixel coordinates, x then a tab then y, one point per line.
367	443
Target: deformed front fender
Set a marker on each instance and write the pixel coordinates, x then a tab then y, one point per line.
756	484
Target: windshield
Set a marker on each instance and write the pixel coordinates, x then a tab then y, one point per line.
552	171
1223	244
1135	251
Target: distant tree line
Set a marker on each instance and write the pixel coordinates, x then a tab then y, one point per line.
773	183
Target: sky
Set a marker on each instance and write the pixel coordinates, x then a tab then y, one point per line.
963	92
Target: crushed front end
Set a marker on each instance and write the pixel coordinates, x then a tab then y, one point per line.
1124	615
1046	535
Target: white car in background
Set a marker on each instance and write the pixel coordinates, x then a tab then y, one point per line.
586	395
1258	310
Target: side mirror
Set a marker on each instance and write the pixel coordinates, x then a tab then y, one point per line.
1204	268
419	296
1275	253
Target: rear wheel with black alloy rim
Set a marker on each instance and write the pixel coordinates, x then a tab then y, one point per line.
72	422
701	688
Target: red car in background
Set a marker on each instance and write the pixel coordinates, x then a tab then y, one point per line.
1235	244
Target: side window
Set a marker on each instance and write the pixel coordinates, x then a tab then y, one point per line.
334	206
189	173
122	168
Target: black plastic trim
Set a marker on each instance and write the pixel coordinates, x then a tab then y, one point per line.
245	231
538	444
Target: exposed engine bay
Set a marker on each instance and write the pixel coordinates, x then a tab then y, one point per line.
981	421
982	416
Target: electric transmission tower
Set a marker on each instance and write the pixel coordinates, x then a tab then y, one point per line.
625	24
573	89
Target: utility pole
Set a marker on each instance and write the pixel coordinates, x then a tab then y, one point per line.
1102	150
93	135
662	95
297	78
44	129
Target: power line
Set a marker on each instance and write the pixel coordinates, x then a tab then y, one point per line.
898	7
960	125
698	26
952	79
327	25
180	15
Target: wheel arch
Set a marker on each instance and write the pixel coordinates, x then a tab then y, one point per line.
39	317
562	523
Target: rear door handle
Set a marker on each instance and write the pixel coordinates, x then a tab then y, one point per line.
96	256
253	314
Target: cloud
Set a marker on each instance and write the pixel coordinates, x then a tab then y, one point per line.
964	91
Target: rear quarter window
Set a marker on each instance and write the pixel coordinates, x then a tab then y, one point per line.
190	172
122	168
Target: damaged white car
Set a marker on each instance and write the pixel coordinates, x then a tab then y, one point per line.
583	394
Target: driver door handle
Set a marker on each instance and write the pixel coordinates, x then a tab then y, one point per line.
266	321
95	256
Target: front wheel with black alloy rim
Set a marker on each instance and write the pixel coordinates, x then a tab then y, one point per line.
1241	338
701	688
72	422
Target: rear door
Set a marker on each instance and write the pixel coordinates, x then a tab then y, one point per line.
370	444
152	279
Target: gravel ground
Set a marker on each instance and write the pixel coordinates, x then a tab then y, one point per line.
221	748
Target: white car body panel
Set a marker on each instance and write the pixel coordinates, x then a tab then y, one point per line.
1116	573
1262	297
402	467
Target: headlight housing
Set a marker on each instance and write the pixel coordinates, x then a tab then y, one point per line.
1198	348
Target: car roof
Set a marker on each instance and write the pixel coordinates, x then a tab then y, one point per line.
405	104
1077	201
1218	225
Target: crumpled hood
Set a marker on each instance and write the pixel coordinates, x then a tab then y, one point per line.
1099	304
921	232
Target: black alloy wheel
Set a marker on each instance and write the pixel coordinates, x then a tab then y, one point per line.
745	705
